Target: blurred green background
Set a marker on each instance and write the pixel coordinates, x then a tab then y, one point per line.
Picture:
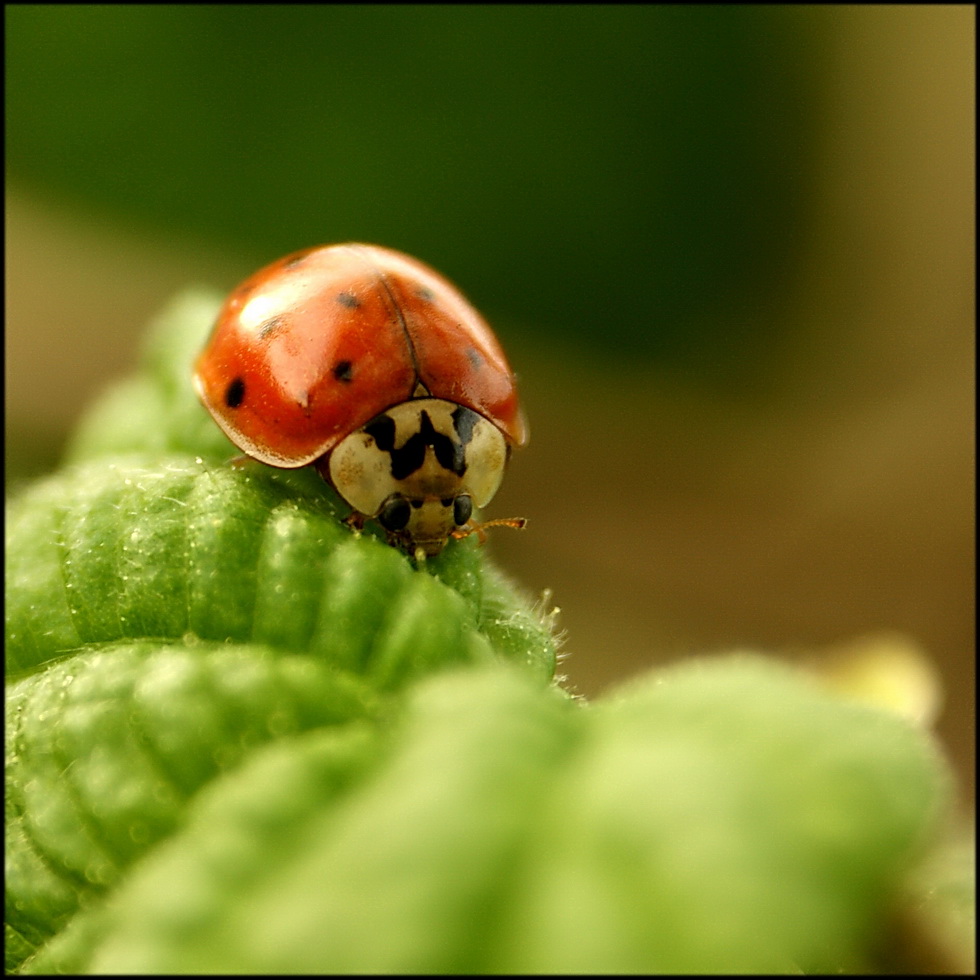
729	250
613	175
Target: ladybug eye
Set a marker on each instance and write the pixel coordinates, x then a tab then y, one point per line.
462	508
394	513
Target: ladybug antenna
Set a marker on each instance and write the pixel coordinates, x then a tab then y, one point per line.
479	527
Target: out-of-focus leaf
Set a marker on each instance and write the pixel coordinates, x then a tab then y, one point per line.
723	817
241	738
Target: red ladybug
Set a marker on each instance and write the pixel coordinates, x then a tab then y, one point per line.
372	367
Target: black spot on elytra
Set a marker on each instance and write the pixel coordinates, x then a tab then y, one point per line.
349	300
270	325
406	460
235	393
344	371
426	294
474	357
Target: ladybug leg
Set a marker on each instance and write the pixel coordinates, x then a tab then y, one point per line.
471	527
355	521
239	462
396	540
401	541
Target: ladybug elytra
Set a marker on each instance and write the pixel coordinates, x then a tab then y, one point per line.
373	368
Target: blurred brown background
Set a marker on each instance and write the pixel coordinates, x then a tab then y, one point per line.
829	495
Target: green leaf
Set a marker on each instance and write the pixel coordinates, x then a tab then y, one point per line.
726	816
106	748
243	738
165	547
935	929
502	828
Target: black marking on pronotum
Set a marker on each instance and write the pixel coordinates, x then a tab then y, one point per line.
273	323
406	460
349	300
464	422
235	393
382	430
344	371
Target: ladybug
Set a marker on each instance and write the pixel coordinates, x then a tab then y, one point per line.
373	368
